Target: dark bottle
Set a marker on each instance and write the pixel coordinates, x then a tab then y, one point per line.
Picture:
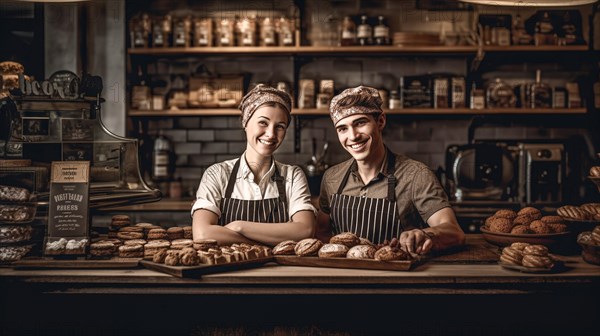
382	33
162	159
348	32
364	32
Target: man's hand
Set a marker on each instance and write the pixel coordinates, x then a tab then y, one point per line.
415	242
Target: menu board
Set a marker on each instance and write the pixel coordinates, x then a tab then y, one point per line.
68	221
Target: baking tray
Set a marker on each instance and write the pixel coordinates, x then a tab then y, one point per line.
397	265
197	271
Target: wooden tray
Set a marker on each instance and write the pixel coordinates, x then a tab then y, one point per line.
400	265
196	271
76	263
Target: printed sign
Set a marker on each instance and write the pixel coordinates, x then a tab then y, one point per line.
68	224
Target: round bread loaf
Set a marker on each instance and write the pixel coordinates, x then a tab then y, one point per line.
572	212
532	212
286	247
506	213
499	224
345	238
333	251
595	171
361	252
308	247
388	253
539	227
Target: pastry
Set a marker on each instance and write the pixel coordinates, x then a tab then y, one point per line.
204	244
520	229
308	247
387	253
531	212
15	233
333	251
76	246
131	251
175	233
539	227
537	261
596	235
13	253
522	220
591	208
286	247
552	219
102	249
573	212
179	244
506	213
499	224
209	258
361	252
12	68
157	234
154	246
187	232
537	250
345	238
127	235
172	258
519	246
16	213
511	255
159	256
595	171
13	194
135	242
189	257
558	227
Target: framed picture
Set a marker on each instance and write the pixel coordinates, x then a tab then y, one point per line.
74	129
35	128
77	151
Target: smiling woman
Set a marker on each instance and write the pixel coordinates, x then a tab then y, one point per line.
255	198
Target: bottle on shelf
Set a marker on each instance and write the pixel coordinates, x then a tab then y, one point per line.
348	32
477	98
395	101
163	162
364	32
541	93
267	32
285	31
545	33
140	92
382	33
203	32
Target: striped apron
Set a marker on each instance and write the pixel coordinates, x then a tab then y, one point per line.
271	210
373	218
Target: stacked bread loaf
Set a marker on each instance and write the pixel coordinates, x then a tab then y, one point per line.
344	245
524	254
528	220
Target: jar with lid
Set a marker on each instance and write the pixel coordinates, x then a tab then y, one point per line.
348	32
267	32
225	33
500	94
285	32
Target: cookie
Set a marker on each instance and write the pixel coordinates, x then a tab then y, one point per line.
189	257
511	256
345	238
506	213
286	247
519	246
537	261
520	229
552	219
125	235
102	249
131	251
499	224
539	227
308	247
159	256
135	242
536	250
333	251
522	220
172	258
187	232
532	212
179	244
558	227
175	232
204	244
157	234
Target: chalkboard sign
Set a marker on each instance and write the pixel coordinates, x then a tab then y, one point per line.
68	222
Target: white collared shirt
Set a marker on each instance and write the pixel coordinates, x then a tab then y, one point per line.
214	182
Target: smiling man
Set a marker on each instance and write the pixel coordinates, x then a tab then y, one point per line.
377	194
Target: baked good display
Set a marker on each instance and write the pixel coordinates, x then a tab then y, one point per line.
528	220
14	194
286	247
332	251
361	252
345	238
527	255
308	247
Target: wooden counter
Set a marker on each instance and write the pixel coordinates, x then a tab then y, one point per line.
452	293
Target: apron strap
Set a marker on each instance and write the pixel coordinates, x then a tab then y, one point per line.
232	178
278	179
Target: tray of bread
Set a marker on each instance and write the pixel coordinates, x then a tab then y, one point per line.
345	250
530	258
205	256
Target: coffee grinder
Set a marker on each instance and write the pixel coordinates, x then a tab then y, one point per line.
541	173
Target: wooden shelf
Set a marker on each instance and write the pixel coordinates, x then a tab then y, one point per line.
165	204
356	50
324	112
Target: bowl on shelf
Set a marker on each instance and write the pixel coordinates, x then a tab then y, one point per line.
551	240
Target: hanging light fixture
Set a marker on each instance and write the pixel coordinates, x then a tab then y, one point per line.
532	3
